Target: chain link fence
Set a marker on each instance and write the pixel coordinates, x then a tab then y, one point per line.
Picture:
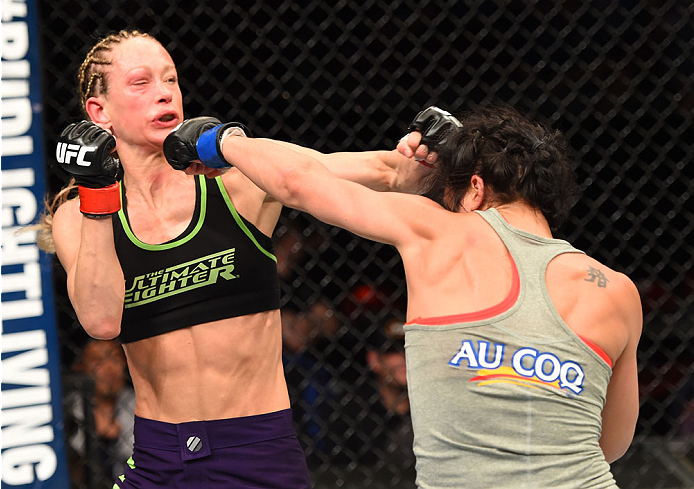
616	77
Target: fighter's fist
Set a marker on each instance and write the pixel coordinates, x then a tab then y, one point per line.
199	139
435	125
85	151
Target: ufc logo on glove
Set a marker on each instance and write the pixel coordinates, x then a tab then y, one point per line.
65	151
86	152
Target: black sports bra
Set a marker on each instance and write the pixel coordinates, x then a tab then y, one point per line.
221	266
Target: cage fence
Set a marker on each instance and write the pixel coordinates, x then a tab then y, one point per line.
615	77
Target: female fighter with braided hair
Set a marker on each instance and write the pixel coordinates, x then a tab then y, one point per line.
521	350
181	269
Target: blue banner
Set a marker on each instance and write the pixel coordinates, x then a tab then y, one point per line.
33	449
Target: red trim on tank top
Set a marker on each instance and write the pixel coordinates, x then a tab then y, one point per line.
487	313
601	353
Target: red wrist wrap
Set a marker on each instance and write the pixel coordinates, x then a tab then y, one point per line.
99	201
425	163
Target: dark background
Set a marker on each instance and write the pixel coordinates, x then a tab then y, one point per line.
615	77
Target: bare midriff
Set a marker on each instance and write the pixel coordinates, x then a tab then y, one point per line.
223	369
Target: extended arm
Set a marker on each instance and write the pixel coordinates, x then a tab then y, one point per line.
302	182
298	180
378	170
398	170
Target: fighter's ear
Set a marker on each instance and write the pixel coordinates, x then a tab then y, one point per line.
98	113
474	199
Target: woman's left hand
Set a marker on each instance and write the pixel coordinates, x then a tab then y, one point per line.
197	168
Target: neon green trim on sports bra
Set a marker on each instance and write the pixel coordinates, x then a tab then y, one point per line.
171	244
239	221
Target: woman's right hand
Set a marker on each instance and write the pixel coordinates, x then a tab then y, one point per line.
428	131
410	146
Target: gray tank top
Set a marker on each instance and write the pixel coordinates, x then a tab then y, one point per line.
509	397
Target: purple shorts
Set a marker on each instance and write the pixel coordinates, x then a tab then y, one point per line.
250	452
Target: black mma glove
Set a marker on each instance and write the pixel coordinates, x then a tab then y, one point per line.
434	124
85	151
199	139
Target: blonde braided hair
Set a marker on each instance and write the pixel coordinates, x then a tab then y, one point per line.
91	77
91	81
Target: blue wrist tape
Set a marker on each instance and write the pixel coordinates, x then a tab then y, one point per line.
207	148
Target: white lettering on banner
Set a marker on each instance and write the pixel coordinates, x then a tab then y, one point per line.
24	308
15	88
22	145
19	207
26	340
25	396
27	418
27	426
20	464
27	412
23	368
13	8
17	114
27	282
17	177
20	69
19	247
15	39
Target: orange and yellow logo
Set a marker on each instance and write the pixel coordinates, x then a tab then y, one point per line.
507	375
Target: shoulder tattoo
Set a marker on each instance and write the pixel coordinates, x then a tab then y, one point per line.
595	275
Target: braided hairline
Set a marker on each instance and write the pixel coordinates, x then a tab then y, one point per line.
89	78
